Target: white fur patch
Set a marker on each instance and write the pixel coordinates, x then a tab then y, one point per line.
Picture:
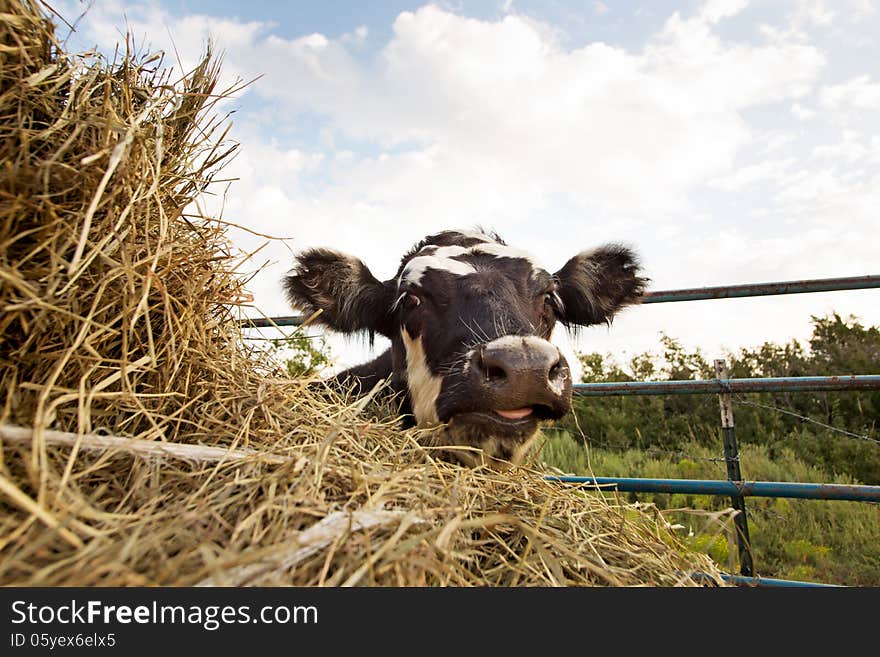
424	386
444	258
445	251
504	251
516	341
440	259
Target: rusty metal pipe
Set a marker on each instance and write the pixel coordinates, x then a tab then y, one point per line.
721	487
763	289
721	386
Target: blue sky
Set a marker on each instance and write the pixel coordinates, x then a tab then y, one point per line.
582	21
727	141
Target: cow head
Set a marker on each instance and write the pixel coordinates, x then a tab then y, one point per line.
470	321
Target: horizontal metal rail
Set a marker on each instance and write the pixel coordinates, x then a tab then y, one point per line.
721	386
843	492
763	289
742	580
271	322
690	294
745	580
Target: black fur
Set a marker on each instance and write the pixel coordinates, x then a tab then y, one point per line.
594	285
349	297
363	377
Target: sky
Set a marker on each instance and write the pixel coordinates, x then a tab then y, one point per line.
726	141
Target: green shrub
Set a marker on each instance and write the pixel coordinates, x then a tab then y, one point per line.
303	355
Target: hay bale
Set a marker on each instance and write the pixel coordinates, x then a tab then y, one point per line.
143	443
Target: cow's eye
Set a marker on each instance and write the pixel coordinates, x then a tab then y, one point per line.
406	301
552	299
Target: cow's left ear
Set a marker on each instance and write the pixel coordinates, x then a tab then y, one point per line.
595	284
349	297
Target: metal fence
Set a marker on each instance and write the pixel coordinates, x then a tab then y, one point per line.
723	386
735	487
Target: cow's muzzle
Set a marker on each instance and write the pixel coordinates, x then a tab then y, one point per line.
507	386
520	378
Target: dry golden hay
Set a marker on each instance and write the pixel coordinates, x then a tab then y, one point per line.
142	442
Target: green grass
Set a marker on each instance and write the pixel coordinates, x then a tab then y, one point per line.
810	540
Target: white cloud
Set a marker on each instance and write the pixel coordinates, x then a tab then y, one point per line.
746	176
813	12
802	113
716	10
874	150
589	123
497	105
773	141
849	149
859	93
357	37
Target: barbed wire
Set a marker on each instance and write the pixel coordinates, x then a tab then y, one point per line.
649	451
739	399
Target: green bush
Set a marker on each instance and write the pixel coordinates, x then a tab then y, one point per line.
303	355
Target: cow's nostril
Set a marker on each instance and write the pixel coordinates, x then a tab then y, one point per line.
494	373
494	363
556	372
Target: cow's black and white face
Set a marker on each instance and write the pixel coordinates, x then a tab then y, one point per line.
470	321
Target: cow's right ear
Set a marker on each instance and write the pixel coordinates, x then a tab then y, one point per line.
343	288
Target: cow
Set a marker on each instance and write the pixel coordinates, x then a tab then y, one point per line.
470	322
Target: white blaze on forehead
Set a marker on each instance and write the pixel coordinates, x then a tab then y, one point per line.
504	251
447	258
441	259
424	385
444	251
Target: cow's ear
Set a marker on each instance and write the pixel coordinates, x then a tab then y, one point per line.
343	288
595	284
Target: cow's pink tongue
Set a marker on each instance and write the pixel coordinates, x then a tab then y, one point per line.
516	414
